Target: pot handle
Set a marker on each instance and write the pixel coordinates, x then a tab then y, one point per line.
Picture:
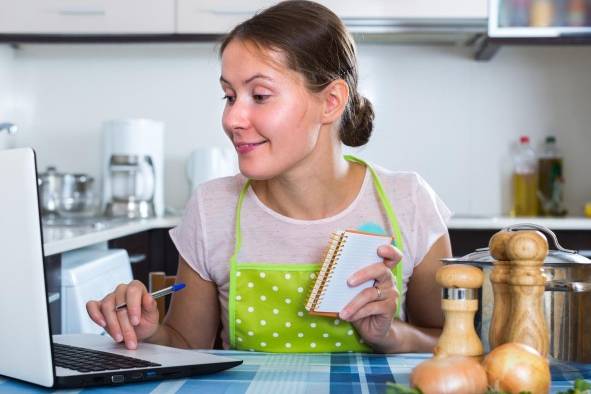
544	229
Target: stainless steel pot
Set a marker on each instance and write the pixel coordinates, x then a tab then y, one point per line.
77	197
567	300
50	188
66	195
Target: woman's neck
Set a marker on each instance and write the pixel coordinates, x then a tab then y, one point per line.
317	188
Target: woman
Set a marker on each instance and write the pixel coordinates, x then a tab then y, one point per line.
248	243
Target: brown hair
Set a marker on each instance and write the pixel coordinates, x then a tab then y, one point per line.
317	45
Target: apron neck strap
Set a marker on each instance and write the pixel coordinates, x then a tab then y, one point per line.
383	199
237	230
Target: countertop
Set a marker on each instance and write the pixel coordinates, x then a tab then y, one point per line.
497	223
59	239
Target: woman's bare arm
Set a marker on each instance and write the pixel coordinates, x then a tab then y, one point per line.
192	320
423	307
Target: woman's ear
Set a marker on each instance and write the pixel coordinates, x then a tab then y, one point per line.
335	97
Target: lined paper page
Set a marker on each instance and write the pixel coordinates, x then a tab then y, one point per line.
360	250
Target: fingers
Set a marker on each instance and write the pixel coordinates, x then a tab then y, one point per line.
390	254
133	297
120	323
94	311
378	272
368	302
108	311
150	309
383	308
123	316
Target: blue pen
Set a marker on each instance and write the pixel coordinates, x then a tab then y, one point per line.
160	293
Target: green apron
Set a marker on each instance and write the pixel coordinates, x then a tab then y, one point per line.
266	300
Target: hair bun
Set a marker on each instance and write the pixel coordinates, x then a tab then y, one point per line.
357	122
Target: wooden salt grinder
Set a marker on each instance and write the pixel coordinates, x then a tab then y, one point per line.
499	278
459	302
527	251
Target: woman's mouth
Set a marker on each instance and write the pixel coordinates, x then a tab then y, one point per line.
243	147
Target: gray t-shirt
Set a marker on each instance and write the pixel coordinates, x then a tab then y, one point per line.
205	237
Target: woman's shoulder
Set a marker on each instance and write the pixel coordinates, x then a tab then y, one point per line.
218	193
227	184
401	181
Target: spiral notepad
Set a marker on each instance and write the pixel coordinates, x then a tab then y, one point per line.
348	252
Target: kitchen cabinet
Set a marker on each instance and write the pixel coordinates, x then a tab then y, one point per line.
87	17
151	250
217	17
53	276
409	9
146	241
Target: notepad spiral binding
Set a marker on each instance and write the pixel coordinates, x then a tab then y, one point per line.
335	248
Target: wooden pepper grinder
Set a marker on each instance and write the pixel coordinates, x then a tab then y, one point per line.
527	251
459	302
499	278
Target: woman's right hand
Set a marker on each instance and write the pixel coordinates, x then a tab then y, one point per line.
136	322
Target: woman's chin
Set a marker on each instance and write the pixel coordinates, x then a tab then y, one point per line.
256	173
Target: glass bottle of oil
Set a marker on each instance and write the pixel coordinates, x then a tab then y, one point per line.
525	182
550	180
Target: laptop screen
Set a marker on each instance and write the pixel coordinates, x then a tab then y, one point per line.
25	339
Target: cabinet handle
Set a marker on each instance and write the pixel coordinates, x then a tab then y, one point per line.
52	297
81	11
225	11
137	258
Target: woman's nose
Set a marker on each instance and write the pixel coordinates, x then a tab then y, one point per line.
236	116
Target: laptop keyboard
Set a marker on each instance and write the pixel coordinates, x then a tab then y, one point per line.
87	360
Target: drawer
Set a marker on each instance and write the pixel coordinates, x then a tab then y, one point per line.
87	17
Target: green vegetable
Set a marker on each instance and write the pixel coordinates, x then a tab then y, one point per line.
581	386
397	388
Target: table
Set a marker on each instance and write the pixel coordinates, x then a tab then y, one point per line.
340	373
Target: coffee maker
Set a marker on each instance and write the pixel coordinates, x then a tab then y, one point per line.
133	168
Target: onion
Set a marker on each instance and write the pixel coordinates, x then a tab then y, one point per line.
515	367
449	374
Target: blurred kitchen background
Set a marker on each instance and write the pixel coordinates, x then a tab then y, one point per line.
121	101
439	111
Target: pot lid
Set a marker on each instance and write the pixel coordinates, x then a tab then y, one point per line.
561	257
555	258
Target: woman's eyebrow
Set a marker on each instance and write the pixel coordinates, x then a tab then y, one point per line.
249	80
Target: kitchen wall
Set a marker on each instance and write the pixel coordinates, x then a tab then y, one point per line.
6	88
438	112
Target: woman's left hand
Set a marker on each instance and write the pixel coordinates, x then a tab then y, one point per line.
371	312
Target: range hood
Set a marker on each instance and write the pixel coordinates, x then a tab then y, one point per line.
542	22
428	31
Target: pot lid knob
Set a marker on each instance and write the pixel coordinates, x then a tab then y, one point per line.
459	276
498	245
527	246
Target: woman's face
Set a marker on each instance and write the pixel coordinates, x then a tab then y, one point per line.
270	116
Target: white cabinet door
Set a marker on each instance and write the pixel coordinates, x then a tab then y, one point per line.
416	9
87	16
220	16
215	16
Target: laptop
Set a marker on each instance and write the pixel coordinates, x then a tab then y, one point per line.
28	350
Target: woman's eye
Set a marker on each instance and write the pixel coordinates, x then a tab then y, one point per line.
229	99
260	98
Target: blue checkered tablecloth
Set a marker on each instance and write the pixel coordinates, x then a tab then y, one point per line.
340	373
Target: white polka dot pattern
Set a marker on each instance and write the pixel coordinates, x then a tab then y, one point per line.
270	316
